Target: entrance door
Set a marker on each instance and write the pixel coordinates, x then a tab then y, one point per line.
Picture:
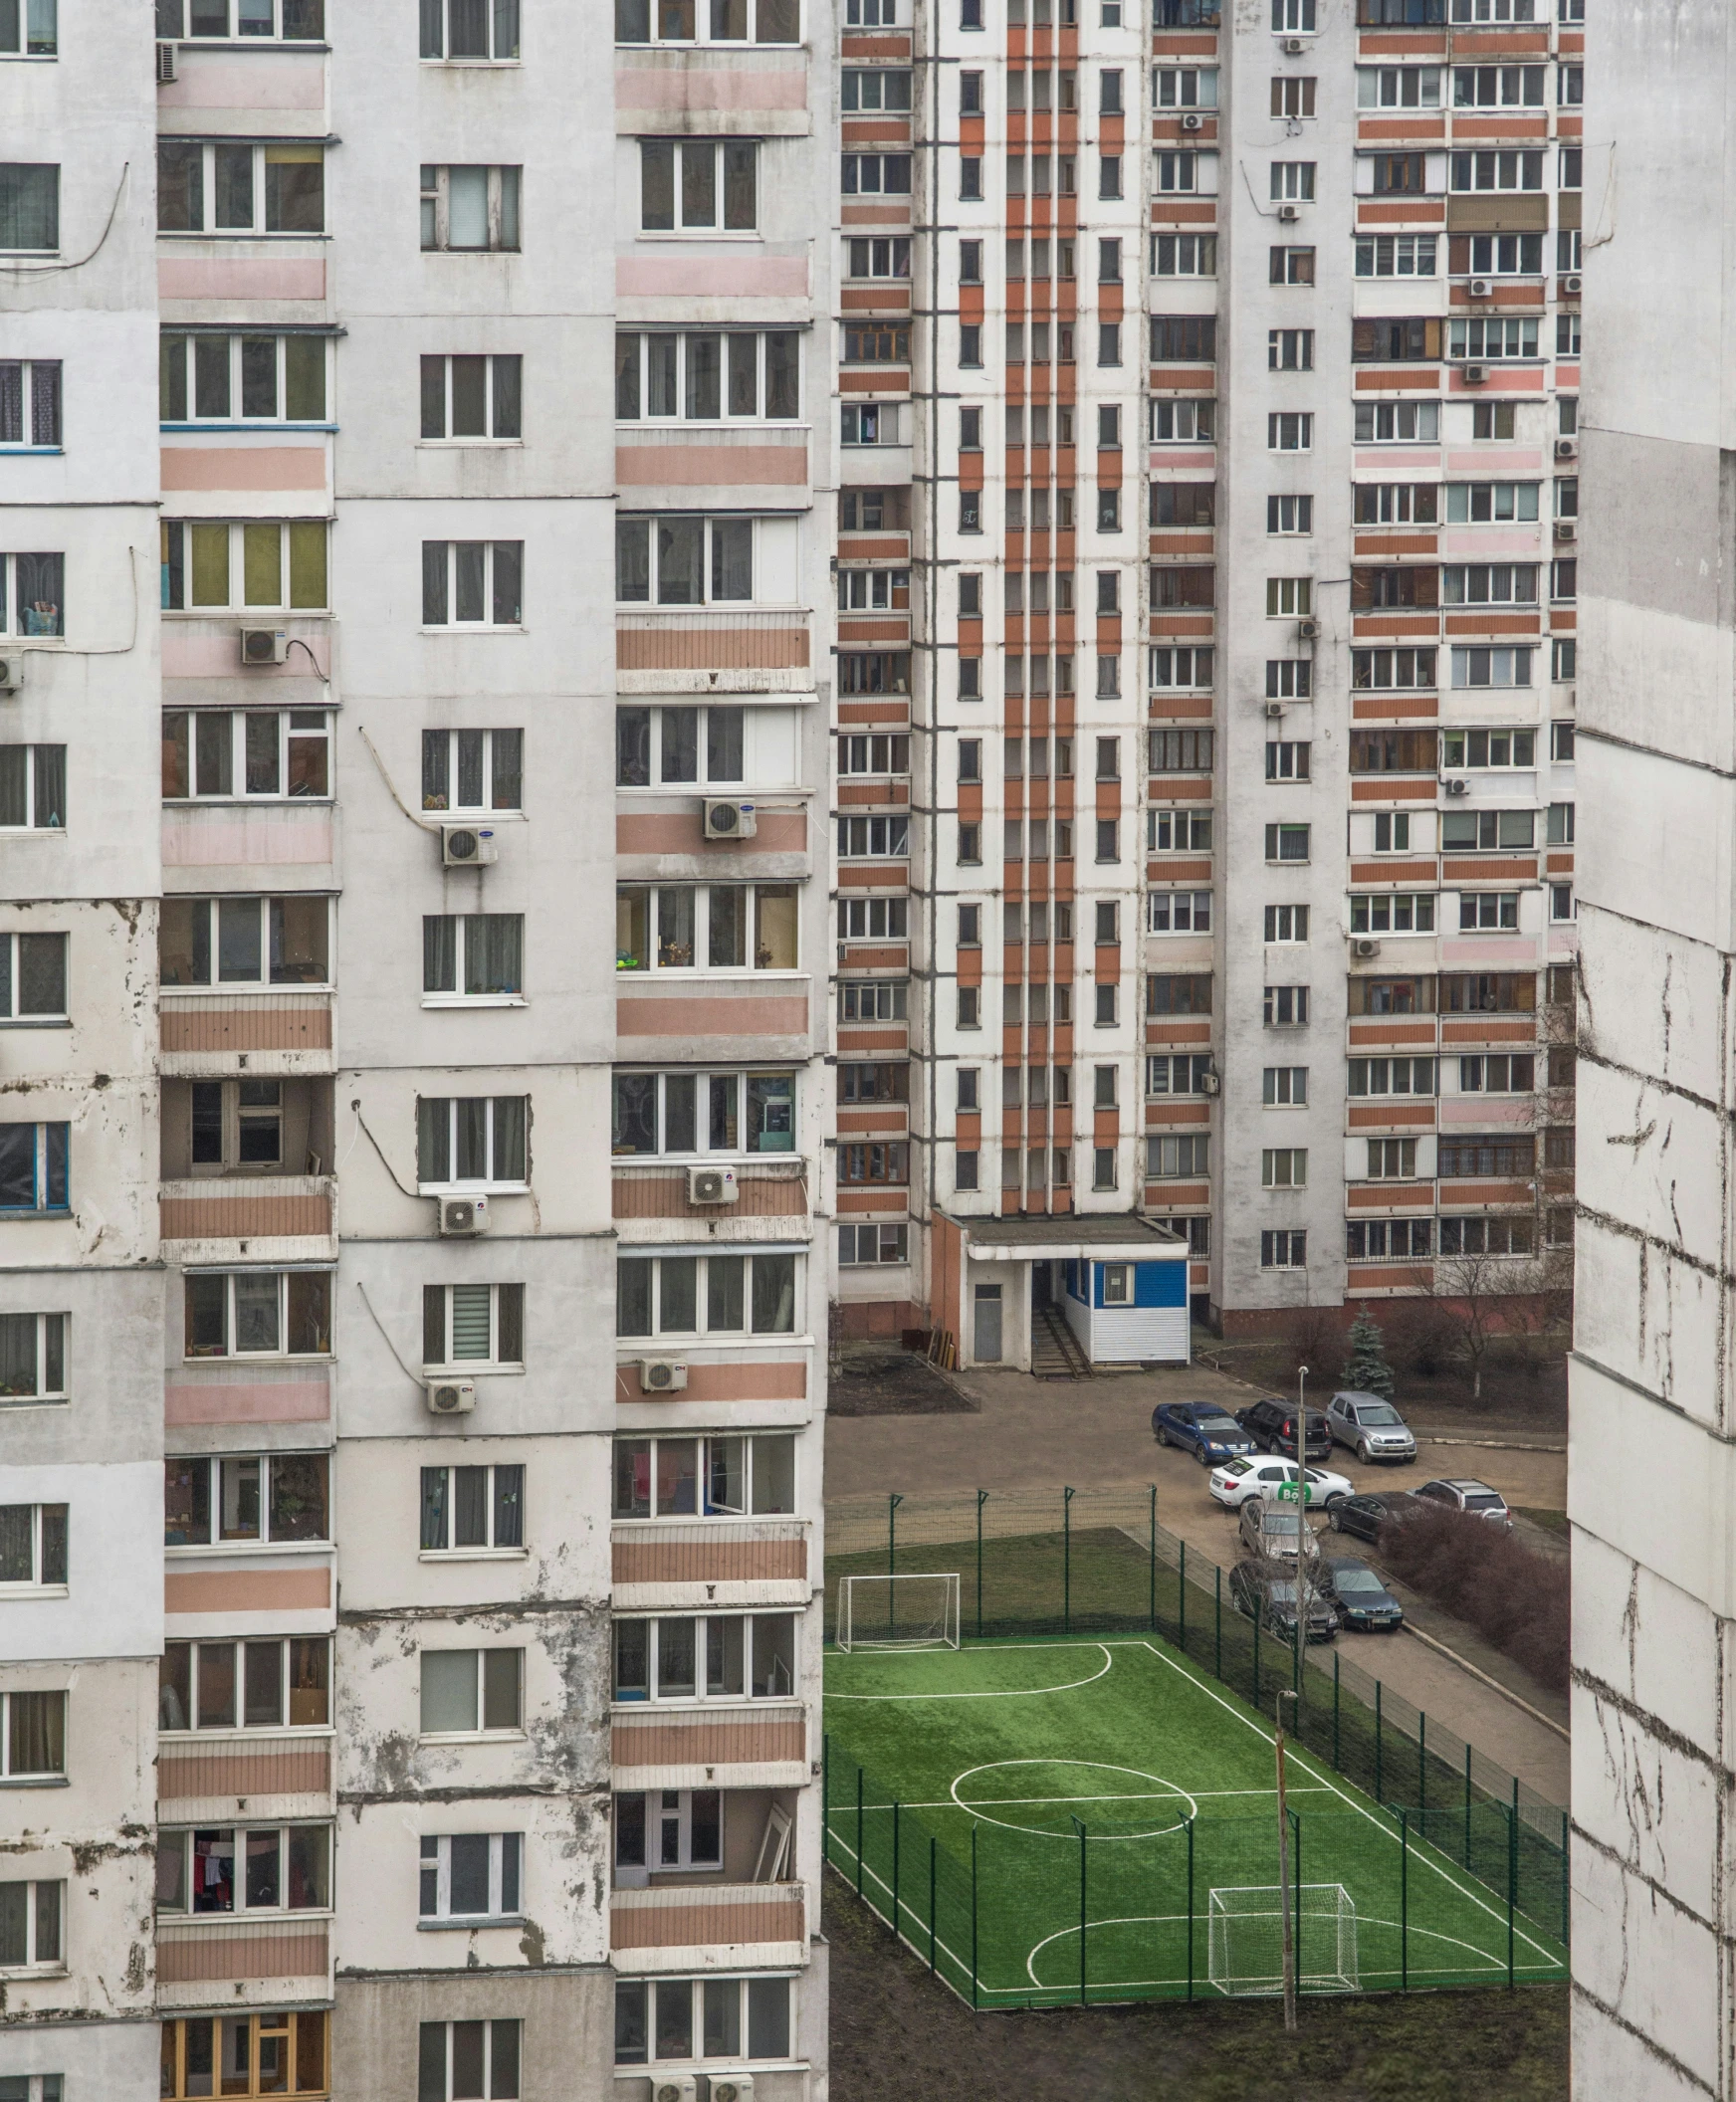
1041	1295
986	1347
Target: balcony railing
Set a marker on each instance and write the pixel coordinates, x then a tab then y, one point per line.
203	1033
249	1209
764	1190
711	1550
211	1963
655	1930
707	638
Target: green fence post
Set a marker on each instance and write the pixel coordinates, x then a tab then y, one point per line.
1337	1762
1256	1660
981	1498
892	1504
1467	1806
895	1812
1217	1613
1404	1902
1083	2000
1154	1558
858	1829
1566	1886
1512	1877
1421	1761
1296	1886
933	1845
1066	1562
974	1830
1189	1908
1182	1601
1378	1736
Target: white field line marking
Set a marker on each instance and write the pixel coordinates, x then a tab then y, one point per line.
1009	1693
1025	1803
1170	1794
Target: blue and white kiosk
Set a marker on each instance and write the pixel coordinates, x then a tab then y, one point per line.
1120	1283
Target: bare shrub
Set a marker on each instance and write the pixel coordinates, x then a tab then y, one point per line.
1315	1340
1517	1600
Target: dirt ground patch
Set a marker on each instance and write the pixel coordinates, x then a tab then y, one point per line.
1524	1398
897	2036
883	1382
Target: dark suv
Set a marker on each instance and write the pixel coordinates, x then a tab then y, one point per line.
1272	1426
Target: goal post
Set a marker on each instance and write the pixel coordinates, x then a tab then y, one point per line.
914	1610
1246	1943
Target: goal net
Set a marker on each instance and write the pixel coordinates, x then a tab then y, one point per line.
1247	1939
912	1610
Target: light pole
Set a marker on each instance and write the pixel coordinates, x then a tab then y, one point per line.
1301	1402
1286	1694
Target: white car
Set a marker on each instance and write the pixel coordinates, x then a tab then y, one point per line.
1237	1480
1371	1428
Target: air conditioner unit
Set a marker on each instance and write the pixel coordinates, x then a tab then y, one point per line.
1308	630
661	1376
1567	448
464	1215
1457	787
1288	212
1481	288
1275	710
1362	948
166	62
1567	528
11	674
675	2087
1474	375
451	1397
1210	1083
1191	121
264	646
1294	47
732	2087
1570	285
730	821
710	1185
468	846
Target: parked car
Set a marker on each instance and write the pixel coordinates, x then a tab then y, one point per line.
1277	1532
1363	1516
1326	1488
1371	1428
1272	1601
1272	1426
1257	1475
1202	1429
1359	1598
1476	1498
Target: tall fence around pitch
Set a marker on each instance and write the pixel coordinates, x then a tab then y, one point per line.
1097	1561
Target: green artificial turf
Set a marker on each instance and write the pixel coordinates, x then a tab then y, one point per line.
1043	1784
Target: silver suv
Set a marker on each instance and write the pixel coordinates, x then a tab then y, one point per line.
1371	1428
1275	1532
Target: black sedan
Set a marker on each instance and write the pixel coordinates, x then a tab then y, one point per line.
1363	1516
1272	1601
1361	1601
1202	1429
1272	1426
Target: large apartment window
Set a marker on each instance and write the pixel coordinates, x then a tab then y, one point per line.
870	1243
1395	503
1391	668
1393	751
1292	181
470	1876
731	21
702	1113
1398	86
1489	585
33	978
473	1325
1186	669
270	1868
1506	1154
257	1314
33	1168
714	1656
214	942
680	745
241	378
1393	342
472	956
710	376
257	1501
470	209
291	21
1285	1007
1177	832
469	398
878	256
678	2021
33	595
272	753
472	1509
1487	338
472	1139
33	1736
30	398
204	187
1168	993
697	185
1475	666
473	769
1179	912
1393	912
473	583
461	2059
32	1925
677	561
1396	256
251	2054
32	1357
32	31
1184	255
471	1693
706	927
259	566
470	28
875	174
1183	421
272	1683
32	1548
30	207
873	919
1170	1160
706	1477
709	1295
1392	1076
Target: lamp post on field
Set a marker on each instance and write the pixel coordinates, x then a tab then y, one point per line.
1302	1392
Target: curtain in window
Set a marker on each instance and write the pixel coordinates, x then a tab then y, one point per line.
439	954
732	558
494	945
774	1295
37	1734
42	593
680	562
510	1164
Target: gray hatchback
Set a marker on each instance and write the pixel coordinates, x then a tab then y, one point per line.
1371	1428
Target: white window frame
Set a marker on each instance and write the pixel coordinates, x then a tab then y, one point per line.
1184	255
681	338
747	1254
1493	338
1479	502
454	994
216	1465
1373	81
702	1078
891	1243
704	1510
654	1698
492	2023
1177	1156
1479	750
173	1838
1500	665
10	981
1284	1167
235	417
701	932
1367	1077
492	1549
1290	431
488	807
878	13
490	590
236	604
302	725
1393	912
248	38
225	1731
699	230
32	410
27	1777
13	617
1184	86
506	1872
441	9
492	1361
35	1963
1292	181
260	150
48	1356
710	521
702	1986
490	362
1184	420
1177	1073
1488	912
503	208
1285	1087
1178	911
495	1733
265	982
229	1354
37	1584
1488	583
37	33
489	1179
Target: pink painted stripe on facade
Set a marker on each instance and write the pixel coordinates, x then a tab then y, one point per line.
246	1590
1515	952
287	80
199	839
639	87
1477	1112
244	466
782	1379
687	1018
709	464
241	278
291	1401
676	276
677	832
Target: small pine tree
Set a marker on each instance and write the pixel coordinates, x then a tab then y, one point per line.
1364	1367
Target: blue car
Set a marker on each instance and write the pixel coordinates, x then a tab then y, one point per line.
1203	1428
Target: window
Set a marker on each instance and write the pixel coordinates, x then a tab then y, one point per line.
1186	171
1561	743
30	1926
33	1735
1489	992
708	1657
1285	1087
871	1000
1391	997
1285	1007
687	1295
873	919
1184	255
30	393
279	1496
254	753
33	1168
717	184
1175	587
1393	912
702	1112
1397	422
462	29
32	1357
873	590
1289	679
1177	831
684	1830
251	2054
1499	1154
1183	338
470	1876
1289	597
1397	174
1395	503
297	21
1179	1073
871	175
1396	256
1283	1168
257	567
254	1685
676	560
470	2058
871	423
476	1325
478	769
678	2019
470	1692
1392	752
1392	1076
31	32
1568	251
239	378
1488	585
1286	762
472	583
874	1244
472	1139
1560	825
1167	995
1564	580
1392	1160
887	1162
1487	1236
1184	87
221	188
33	978
1506	169
472	956
1490	503
467	398
1487	910
1290	350
1488	748
1286	842
1493	419
30	207
875	257
1491	667
1497	255
873	838
1291	265
1284	1249
1490	337
33	1547
1178	751
1169	1158
1289	432
705	1477
1292	96
1497	86
1179	912
773	22
1393	342
1289	515
1190	669
1391	832
1377	1240
470	209
706	927
1397	87
1497	1073
1184	422
1292	181
270	1868
257	1314
1391	668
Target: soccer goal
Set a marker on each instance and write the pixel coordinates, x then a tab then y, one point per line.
1247	1940
912	1610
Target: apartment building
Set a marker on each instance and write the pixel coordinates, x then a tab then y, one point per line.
409	1694
1232	443
1653	1922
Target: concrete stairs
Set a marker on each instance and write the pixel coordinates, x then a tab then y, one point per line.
1056	1351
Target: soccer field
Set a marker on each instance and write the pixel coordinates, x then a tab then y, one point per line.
1065	1809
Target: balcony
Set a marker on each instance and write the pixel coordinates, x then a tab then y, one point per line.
677	648
257	1773
764	1190
212	1035
714	1928
718	1560
225	1963
761	1745
293	1218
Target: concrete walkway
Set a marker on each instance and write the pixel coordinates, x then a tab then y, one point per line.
1039	1434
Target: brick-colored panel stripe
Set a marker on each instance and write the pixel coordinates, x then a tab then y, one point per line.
246	1590
237	1216
731	1381
684	649
755	1016
264	1770
710	1923
665	1197
239	1028
758	1740
710	1560
206	1958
